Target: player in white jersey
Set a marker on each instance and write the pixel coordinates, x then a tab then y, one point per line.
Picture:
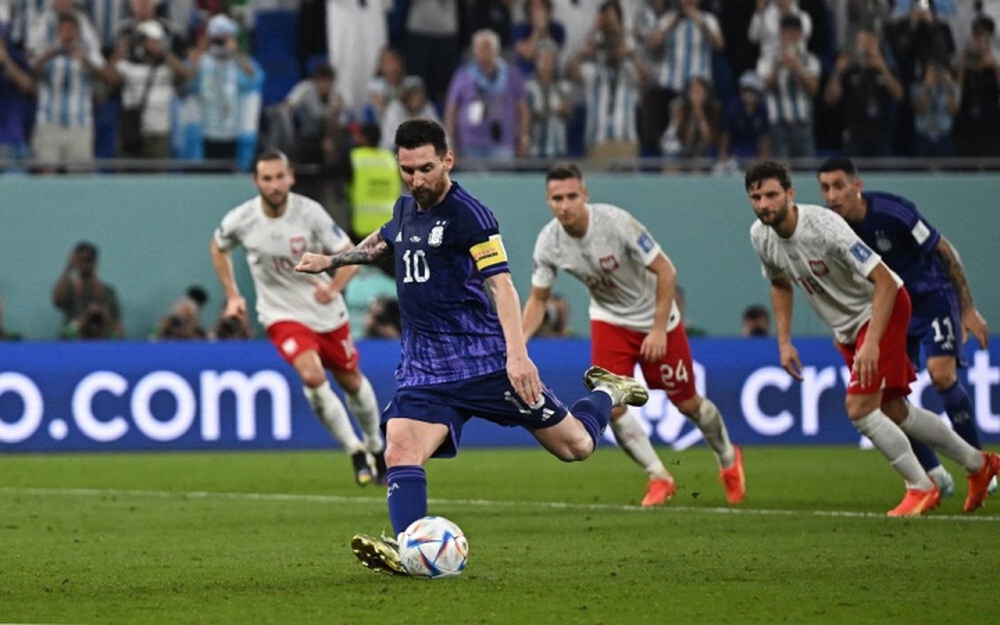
866	306
305	316
634	320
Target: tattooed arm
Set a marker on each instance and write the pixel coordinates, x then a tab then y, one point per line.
972	322
370	251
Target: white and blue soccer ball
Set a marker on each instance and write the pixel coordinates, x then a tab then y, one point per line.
433	547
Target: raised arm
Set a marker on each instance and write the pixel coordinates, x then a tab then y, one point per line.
368	252
782	297
522	372
972	322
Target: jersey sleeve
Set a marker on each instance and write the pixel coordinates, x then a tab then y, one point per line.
638	241
390	228
764	249
924	234
543	271
845	244
479	229
228	235
331	236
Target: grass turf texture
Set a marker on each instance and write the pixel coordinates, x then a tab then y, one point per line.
263	537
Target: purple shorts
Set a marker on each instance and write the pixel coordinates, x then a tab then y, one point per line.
935	326
490	397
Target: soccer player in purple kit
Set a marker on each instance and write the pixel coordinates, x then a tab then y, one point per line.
463	351
943	311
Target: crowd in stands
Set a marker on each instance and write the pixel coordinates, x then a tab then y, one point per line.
684	81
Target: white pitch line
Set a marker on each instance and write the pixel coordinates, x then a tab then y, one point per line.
477	503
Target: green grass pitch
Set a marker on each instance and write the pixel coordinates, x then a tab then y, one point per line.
263	538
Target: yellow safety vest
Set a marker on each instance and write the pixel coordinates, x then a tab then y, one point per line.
374	188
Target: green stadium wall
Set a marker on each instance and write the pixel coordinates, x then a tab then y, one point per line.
153	233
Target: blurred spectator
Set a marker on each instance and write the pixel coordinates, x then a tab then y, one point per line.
431	46
64	122
555	322
312	111
746	132
550	100
537	27
368	284
765	26
16	85
184	319
577	18
356	32
682	40
756	322
411	104
6	334
373	184
657	93
44	30
383	320
231	327
791	81
106	15
89	305
612	74
486	114
872	15
130	37
222	72
867	90
148	92
695	123
384	87
977	123
21	14
916	40
935	100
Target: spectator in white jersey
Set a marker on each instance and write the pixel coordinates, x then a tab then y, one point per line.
304	316
634	320
863	301
66	71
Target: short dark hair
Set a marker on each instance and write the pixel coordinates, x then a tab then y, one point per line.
563	171
838	163
790	20
415	133
324	70
68	18
372	134
765	170
270	154
983	23
756	311
86	246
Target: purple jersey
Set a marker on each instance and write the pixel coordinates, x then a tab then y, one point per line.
898	232
442	256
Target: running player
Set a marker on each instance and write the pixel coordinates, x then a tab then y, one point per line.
305	316
633	320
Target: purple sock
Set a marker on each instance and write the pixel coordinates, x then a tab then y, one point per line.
407	496
594	412
959	409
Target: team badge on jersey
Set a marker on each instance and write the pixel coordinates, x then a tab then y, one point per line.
882	242
297	245
437	234
818	267
645	242
861	251
609	263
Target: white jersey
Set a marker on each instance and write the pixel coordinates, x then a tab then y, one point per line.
273	248
828	262
612	260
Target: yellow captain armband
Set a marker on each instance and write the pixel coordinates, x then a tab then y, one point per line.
488	253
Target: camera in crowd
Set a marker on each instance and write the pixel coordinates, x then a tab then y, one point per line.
232	327
94	322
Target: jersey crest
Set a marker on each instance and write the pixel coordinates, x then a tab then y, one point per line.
882	242
437	234
609	263
818	267
298	245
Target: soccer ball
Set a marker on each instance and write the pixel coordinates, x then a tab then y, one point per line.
433	547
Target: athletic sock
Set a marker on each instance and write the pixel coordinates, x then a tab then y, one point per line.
925	455
364	406
634	442
959	408
890	440
332	414
407	496
713	428
926	426
594	412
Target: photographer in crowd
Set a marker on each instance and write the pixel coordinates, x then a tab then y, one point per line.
89	305
184	319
